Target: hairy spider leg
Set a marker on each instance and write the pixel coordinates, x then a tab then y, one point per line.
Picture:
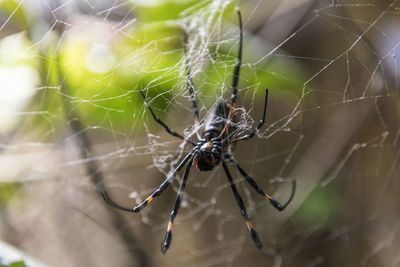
157	119
168	235
190	84
273	202
259	125
155	194
243	211
236	74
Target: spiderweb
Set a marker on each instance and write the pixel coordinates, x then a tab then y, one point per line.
73	121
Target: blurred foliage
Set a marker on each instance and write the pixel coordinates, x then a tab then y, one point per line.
18	12
7	191
16	49
102	76
319	208
279	74
150	11
16	264
19	74
146	59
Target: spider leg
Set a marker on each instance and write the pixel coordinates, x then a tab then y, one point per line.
168	235
111	202
259	190
236	74
238	64
259	125
190	85
155	194
157	119
243	211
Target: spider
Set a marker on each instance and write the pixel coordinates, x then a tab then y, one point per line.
212	149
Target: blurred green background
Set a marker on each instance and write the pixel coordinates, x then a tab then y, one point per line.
73	121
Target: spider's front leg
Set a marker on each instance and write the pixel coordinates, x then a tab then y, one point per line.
159	121
168	235
236	75
155	194
243	211
189	81
259	190
259	125
236	71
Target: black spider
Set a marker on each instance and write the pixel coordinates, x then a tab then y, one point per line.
213	148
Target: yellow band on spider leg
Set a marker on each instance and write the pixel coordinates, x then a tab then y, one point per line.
267	197
249	225
169	229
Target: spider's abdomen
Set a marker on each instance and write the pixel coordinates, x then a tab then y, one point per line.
216	120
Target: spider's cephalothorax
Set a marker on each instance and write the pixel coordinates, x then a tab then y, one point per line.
210	150
213	148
